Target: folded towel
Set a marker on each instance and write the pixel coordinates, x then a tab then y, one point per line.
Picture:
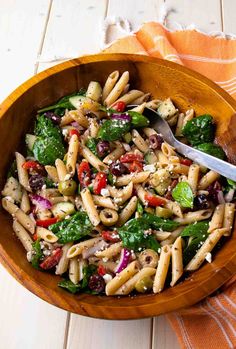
212	322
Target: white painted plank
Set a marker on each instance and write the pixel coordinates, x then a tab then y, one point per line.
74	29
204	14
163	335
228	12
21	27
26	321
86	333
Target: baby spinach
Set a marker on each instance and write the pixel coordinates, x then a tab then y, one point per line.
159	223
199	130
72	229
183	194
114	129
194	235
48	145
211	149
37	254
92	145
69	286
138	119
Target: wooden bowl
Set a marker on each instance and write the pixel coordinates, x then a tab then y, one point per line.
163	79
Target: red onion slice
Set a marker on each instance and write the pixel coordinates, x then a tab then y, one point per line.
230	195
124	260
40	201
220	197
122	117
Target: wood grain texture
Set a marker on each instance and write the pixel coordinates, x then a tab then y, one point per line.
162	79
205	15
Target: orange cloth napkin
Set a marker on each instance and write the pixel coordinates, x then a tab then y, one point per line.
212	322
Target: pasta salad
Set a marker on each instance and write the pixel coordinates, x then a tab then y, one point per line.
101	199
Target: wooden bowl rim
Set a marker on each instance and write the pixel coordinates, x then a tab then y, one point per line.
108	307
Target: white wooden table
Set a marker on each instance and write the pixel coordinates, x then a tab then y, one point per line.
66	28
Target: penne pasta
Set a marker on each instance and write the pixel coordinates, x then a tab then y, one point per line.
61	169
90	207
139	141
176	261
117	89
25	203
52	173
104	202
13	189
77	249
110	251
135	177
63	264
193	175
217	218
109	84
22	235
72	155
22	173
115	154
92	159
79	117
74	270
173	236
228	217
162	269
129	97
127	211
208	179
46	235
195	216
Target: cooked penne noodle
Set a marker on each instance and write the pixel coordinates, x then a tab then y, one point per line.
104	202
127	211
92	159
22	173
13	189
193	175
63	264
167	150
173	236
162	269
129	97
25	203
121	195
93	128
179	169
179	126
61	169
79	117
117	89
188	116
162	235
208	179
115	154
43	214
66	119
206	248
52	172
90	206
148	131
110	251
135	177
162	159
46	235
72	154
176	261
142	99
22	235
175	208
113	285
195	216
140	108
153	104
77	249
18	214
129	285
109	84
172	121
217	218
229	217
139	141
74	270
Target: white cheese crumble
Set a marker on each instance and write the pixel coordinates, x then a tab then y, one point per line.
29	256
208	257
67	177
44	187
107	278
126	146
105	259
151	168
109	162
65	132
105	192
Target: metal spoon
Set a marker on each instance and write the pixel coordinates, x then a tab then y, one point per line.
161	126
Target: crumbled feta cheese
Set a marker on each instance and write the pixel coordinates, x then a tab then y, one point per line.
107	278
126	147
44	187
29	256
64	132
151	168
117	200
105	259
208	257
109	162
67	177
105	192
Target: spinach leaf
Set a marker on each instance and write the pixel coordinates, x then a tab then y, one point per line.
83	284
69	286
211	149
92	145
139	208
194	234
231	183
49	183
159	223
48	145
72	229
183	194
63	103
137	119
199	130
110	179
37	254
114	129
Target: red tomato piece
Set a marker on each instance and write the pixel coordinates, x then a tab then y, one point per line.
186	162
119	106
129	157
100	182
136	166
46	222
33	165
153	200
84	174
110	236
52	260
74	132
35	237
101	270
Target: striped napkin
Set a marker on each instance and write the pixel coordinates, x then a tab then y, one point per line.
212	322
